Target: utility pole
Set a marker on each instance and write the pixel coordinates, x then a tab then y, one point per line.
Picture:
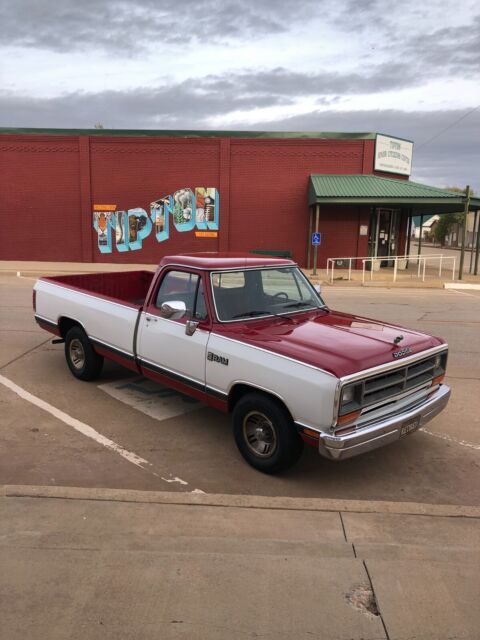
464	232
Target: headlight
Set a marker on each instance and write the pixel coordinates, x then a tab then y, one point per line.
349	400
438	361
348	395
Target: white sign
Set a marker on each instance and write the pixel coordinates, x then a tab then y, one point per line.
364	230
393	155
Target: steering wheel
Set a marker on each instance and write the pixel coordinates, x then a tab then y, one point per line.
281	294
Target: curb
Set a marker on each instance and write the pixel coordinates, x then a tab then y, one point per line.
466	285
240	502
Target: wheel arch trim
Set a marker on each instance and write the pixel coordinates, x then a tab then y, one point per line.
74	322
256	387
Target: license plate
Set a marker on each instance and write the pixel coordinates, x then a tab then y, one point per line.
409	426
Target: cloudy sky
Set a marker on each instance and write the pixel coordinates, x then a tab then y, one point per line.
409	69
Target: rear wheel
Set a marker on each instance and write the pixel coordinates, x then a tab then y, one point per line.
82	360
265	434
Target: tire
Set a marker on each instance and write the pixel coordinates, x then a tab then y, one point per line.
82	360
265	434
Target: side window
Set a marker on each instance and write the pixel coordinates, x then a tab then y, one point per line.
178	285
186	287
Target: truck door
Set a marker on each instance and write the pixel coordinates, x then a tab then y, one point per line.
173	349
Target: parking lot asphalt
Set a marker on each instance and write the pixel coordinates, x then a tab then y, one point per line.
80	434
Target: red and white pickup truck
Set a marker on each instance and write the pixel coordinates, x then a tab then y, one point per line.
251	335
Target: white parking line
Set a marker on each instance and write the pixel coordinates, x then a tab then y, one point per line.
463	293
443	436
87	431
396	291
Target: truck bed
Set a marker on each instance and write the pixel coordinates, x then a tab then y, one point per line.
120	286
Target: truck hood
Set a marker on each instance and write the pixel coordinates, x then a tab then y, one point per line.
337	342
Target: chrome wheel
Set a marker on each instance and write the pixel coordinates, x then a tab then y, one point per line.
259	434
76	354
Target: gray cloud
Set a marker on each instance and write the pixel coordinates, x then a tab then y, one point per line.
131	26
196	100
451	49
284	82
404	32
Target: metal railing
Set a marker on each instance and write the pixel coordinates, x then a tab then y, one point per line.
421	260
331	265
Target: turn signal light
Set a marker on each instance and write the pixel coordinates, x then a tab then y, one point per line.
438	380
348	417
311	433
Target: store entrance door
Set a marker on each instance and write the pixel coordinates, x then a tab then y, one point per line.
384	226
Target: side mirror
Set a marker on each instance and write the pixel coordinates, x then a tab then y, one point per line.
317	288
173	310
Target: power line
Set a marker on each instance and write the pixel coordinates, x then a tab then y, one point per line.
465	115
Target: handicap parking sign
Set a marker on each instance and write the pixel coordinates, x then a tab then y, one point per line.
316	238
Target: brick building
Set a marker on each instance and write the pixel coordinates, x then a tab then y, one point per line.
134	196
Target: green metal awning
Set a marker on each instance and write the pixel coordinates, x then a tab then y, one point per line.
374	190
188	133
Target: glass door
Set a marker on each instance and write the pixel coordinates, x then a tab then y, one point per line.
386	234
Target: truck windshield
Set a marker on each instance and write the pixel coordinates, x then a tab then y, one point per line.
254	293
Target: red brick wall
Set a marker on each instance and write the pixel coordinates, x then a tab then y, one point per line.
48	185
39	198
269	189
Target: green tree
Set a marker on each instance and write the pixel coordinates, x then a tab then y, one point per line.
444	226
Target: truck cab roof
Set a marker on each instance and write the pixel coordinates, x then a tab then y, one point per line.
211	261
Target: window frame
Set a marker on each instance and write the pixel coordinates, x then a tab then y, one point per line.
153	309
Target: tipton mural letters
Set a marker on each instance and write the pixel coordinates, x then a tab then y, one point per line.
187	210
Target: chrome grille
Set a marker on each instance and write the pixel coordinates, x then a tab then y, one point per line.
384	386
380	388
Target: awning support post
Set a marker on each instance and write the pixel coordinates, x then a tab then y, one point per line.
464	232
477	250
409	235
309	239
420	243
315	248
475	220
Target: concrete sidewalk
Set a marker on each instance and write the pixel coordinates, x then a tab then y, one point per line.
383	278
93	563
37	269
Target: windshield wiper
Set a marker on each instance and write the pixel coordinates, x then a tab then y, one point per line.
252	314
299	304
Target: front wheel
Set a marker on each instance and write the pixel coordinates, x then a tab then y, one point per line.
82	360
265	434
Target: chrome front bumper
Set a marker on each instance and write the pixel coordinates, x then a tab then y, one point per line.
382	432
